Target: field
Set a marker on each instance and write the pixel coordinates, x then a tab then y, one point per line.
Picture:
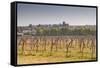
51	49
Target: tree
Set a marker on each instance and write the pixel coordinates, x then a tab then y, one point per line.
54	31
30	25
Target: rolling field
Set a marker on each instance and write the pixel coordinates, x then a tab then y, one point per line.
51	49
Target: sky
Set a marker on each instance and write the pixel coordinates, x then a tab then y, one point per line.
52	14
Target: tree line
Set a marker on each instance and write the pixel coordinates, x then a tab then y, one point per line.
64	31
